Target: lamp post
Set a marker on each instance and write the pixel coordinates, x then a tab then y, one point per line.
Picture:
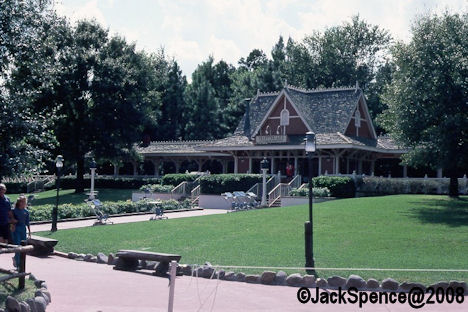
92	167
264	166
309	225
59	165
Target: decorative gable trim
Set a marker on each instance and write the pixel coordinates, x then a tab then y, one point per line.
366	114
273	106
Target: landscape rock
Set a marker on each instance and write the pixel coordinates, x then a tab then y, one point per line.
321	283
41	304
32	277
456	284
32	304
390	284
230	276
47	293
268	277
207	271
294	280
111	259
336	281
240	277
407	286
252	279
372	283
443	285
187	270
355	281
280	278
43	285
101	258
24	307
39	293
309	280
38	283
11	304
72	255
220	274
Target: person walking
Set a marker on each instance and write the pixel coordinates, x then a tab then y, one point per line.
19	224
5	215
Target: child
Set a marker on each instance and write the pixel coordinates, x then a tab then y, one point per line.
20	221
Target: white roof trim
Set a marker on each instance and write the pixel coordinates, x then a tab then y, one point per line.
275	102
366	113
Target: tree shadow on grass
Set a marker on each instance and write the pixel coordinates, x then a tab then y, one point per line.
452	212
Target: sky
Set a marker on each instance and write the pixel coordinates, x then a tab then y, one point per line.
190	30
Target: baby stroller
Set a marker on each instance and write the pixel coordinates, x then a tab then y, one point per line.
102	218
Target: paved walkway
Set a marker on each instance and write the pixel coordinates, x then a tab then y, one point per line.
126	219
89	287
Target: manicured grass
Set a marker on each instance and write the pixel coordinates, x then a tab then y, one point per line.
401	231
69	196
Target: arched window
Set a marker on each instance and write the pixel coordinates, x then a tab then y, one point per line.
284	120
267	129
357	119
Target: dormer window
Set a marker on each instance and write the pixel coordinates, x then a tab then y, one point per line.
284	120
357	119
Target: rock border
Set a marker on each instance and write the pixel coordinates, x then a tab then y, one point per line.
39	303
279	278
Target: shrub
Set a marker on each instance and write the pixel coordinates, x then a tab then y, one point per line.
65	211
16	187
157	188
318	192
177	178
69	182
343	187
385	186
220	183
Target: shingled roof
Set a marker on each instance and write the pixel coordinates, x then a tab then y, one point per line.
324	110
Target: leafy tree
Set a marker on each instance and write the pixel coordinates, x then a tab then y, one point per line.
23	139
427	99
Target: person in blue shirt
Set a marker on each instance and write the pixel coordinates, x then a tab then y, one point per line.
20	221
5	215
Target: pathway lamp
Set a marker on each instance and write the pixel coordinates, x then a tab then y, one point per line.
92	167
59	165
264	165
309	225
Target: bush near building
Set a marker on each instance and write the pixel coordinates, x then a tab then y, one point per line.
342	187
220	183
177	178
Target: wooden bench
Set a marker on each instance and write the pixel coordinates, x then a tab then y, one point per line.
128	260
43	246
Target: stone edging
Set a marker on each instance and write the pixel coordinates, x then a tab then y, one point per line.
280	278
39	303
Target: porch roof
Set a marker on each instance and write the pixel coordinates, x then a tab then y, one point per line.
177	148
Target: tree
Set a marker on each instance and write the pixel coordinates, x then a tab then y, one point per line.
24	142
427	99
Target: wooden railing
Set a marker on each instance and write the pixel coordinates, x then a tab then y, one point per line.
7	248
195	194
180	189
282	189
257	188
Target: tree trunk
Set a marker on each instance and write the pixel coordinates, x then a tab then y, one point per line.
453	187
79	187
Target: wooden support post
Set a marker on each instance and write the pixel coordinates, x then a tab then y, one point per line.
22	267
172	279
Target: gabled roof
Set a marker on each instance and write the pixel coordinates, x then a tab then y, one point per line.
323	110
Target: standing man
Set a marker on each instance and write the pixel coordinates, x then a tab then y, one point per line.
5	212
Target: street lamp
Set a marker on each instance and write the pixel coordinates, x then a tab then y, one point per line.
59	165
309	225
264	166
92	167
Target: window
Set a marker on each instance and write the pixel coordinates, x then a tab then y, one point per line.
357	118
284	121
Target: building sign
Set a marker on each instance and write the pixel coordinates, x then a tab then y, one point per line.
268	139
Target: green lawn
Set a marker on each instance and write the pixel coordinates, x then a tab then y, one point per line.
69	196
403	231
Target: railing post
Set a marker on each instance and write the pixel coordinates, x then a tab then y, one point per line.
22	267
172	279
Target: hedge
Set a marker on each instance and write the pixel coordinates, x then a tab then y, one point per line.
69	182
16	187
177	178
385	186
342	187
65	211
157	188
318	192
221	183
